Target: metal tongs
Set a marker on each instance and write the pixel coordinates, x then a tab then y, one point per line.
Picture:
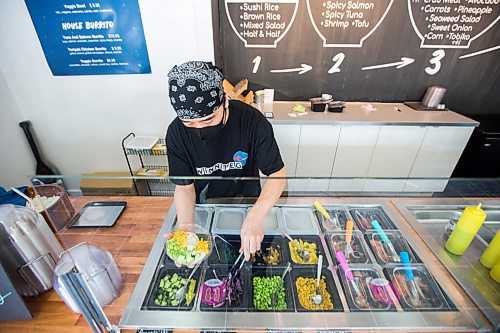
386	243
416	294
234	271
215	244
335	222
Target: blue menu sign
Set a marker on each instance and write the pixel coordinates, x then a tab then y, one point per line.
91	38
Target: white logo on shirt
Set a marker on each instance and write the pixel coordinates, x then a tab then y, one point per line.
219	166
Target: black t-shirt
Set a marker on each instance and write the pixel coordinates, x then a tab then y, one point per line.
245	145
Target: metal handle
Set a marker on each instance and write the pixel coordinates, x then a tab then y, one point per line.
287	269
318	274
288	236
192	272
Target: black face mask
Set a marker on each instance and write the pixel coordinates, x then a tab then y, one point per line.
207	134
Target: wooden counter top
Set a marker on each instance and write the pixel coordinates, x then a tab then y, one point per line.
355	114
129	241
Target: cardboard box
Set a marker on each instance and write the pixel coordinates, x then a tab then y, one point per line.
107	186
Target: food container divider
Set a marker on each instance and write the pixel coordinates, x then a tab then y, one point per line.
228	220
299	221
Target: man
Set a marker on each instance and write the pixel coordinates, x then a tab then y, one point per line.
213	136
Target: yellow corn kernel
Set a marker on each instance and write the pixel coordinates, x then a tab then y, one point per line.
180	237
202	246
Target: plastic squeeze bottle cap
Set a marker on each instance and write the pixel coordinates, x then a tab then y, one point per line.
472	218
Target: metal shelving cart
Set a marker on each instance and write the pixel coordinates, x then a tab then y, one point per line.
148	160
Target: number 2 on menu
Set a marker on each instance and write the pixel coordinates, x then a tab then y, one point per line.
436	61
338	58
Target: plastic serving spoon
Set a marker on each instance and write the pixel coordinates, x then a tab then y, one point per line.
322	210
348	251
388	247
360	298
415	292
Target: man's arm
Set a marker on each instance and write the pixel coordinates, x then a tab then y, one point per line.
252	231
185	198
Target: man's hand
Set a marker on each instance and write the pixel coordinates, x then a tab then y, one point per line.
252	234
187	227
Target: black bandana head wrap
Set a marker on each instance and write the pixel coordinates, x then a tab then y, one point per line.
195	89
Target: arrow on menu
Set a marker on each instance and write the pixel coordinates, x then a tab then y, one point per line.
400	64
304	68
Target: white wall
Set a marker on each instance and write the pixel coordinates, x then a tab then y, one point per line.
81	120
15	160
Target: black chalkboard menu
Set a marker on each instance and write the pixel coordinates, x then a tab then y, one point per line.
371	50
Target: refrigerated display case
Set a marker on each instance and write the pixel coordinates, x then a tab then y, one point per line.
378	297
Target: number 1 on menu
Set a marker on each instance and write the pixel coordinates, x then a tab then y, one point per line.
256	65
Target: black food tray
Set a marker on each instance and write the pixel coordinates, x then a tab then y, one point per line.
225	250
222	273
152	293
274	241
269	272
420	107
309	239
330	286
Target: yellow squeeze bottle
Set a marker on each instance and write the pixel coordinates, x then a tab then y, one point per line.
495	272
467	227
492	253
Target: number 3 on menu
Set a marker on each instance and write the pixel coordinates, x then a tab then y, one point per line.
339	58
436	61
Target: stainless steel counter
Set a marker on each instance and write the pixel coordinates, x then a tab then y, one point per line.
429	217
466	318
